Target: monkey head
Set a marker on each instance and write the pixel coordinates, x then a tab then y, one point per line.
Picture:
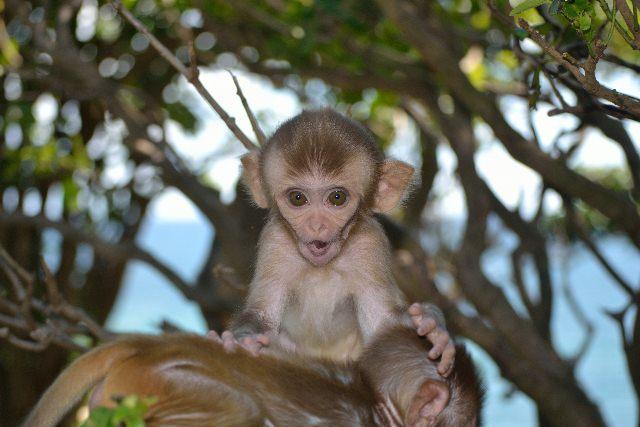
321	173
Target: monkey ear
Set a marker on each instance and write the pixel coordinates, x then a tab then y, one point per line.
395	177
432	397
252	179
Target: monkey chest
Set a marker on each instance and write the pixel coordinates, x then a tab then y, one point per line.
322	322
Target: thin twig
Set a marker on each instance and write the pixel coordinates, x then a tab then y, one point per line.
518	279
577	312
18	290
611	14
17	268
554	88
582	234
619	61
252	118
34	346
118	251
631	21
53	294
193	63
186	72
62	320
585	74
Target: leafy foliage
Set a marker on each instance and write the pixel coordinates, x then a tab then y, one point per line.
72	117
128	412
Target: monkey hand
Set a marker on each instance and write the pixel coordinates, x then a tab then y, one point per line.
252	343
429	323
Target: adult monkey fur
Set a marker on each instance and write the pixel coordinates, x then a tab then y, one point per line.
323	284
198	383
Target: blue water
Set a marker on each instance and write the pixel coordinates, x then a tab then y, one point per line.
147	298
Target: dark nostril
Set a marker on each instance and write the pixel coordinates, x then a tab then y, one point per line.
319	244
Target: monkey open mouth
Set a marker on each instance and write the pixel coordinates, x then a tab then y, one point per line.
320	252
318	247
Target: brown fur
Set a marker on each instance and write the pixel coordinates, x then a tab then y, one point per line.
197	383
323	140
332	309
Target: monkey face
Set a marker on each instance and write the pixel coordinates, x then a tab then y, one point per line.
320	212
318	206
320	172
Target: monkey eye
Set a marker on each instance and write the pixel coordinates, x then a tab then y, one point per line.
337	198
297	198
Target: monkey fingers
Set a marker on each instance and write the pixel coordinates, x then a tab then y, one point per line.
229	342
445	367
254	343
442	347
423	323
251	343
213	335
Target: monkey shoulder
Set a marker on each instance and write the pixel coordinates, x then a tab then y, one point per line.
368	240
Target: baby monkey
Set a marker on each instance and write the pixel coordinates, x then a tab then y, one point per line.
323	284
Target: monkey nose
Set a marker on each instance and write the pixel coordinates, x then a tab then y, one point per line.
317	227
319	244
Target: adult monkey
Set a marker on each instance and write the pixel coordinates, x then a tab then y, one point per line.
197	383
323	284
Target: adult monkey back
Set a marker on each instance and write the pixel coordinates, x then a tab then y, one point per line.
197	383
323	283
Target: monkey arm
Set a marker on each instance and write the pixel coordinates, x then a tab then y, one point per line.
395	364
263	309
427	320
250	321
256	325
248	329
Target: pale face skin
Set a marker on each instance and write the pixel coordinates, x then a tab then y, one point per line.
318	212
317	207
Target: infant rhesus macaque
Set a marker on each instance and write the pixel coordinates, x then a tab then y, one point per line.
323	284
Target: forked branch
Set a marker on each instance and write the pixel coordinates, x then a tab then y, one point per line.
19	311
188	72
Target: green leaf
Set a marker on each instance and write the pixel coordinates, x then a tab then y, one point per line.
584	22
481	19
520	33
526	5
583	5
70	194
508	59
129	412
535	89
555	7
100	417
181	114
570	11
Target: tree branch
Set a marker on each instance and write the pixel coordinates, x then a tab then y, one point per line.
578	228
252	118
62	320
578	313
186	72
436	54
587	76
113	251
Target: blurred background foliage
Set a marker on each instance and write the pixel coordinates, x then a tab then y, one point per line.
84	148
